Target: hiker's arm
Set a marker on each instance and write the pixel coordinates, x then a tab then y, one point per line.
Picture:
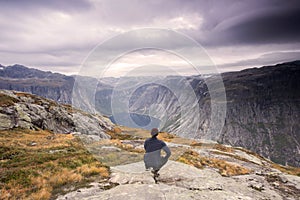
167	150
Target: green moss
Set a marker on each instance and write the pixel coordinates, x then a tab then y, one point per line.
70	163
10	152
19	175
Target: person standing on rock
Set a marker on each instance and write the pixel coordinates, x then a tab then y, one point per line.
152	157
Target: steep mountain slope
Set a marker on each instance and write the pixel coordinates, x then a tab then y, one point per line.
263	111
50	85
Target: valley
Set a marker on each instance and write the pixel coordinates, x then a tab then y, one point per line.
262	107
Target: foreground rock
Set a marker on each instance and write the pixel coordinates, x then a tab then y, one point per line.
181	181
28	111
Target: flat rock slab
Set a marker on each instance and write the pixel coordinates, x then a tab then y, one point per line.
83	193
144	191
131	173
180	181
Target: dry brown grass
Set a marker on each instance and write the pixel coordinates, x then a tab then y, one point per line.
287	169
13	190
232	156
167	137
44	139
184	141
63	177
191	158
202	145
117	133
126	147
6	100
223	148
42	171
219	147
196	144
42	194
225	168
117	130
88	170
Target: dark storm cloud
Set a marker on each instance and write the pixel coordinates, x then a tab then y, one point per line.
229	22
33	5
277	25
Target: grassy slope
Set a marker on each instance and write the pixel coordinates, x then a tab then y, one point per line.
39	164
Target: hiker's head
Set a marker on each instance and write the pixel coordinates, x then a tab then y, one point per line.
154	132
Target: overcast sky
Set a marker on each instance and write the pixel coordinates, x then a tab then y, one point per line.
58	35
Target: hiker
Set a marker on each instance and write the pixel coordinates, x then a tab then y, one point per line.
152	157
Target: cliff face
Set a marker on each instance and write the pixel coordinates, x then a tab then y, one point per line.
263	111
50	85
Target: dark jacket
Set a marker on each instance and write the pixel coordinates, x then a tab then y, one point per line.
152	157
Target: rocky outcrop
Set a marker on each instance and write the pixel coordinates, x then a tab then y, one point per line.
28	111
181	181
